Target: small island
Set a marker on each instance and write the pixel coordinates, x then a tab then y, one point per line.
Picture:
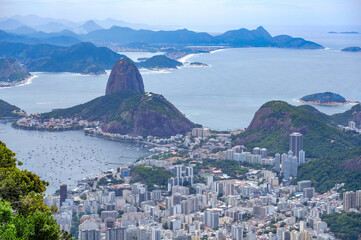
198	64
351	49
325	98
351	32
159	62
12	73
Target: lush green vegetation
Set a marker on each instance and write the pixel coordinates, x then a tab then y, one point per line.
109	179
345	117
151	175
345	225
159	61
229	167
80	58
276	120
126	112
327	171
6	110
112	107
94	110
23	214
329	146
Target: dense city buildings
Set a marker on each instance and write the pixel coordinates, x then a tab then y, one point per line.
196	187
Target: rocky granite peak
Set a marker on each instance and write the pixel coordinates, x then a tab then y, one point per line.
124	76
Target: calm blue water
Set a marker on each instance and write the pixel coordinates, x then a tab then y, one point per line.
223	96
65	157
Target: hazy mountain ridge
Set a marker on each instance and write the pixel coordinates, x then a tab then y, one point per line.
92	31
235	38
80	58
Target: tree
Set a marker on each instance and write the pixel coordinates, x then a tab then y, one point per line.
23	214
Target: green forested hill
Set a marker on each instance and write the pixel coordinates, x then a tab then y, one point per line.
276	120
7	110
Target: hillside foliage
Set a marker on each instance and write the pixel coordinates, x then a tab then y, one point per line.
23	214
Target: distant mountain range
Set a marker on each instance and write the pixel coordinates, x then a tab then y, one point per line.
59	39
64	50
80	58
121	33
235	38
50	25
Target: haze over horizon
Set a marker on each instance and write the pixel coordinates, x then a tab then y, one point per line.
201	15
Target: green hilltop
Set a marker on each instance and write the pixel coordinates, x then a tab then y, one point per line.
335	154
8	111
128	112
276	120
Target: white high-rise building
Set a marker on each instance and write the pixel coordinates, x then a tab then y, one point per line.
301	157
237	232
211	219
156	234
352	125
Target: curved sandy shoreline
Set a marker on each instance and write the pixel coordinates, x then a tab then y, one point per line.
24	82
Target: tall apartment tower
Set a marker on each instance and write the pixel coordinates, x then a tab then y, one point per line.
349	200
63	193
296	143
277	162
301	157
237	232
358	199
211	219
156	234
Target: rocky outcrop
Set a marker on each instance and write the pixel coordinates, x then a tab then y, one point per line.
126	109
151	115
124	76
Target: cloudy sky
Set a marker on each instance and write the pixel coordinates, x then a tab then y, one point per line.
196	13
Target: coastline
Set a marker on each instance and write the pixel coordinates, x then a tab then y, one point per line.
24	82
185	58
335	104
